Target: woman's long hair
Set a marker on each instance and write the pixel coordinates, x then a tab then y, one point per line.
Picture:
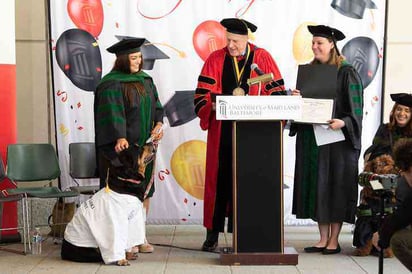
407	129
334	57
122	64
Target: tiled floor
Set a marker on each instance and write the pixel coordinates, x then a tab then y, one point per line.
177	251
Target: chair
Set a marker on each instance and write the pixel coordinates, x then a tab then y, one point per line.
34	163
5	197
83	166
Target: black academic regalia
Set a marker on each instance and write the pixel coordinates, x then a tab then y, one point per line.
326	177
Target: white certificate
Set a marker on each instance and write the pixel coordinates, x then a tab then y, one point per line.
325	135
316	111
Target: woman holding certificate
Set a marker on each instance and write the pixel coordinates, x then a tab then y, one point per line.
326	176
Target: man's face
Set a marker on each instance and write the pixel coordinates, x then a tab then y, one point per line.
236	43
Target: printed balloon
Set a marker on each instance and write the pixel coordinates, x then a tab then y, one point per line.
188	164
302	43
208	37
363	54
78	56
87	15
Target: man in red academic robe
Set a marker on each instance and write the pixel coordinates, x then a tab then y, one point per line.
225	72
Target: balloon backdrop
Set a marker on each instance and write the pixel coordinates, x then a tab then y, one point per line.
353	8
302	43
78	56
87	15
208	37
188	164
180	109
362	53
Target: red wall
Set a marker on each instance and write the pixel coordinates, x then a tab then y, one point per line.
7	134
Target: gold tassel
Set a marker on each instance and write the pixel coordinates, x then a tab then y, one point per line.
107	188
250	35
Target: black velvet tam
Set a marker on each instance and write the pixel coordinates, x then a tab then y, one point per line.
238	26
404	99
126	46
327	32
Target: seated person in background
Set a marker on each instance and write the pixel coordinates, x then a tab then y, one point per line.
400	122
378	160
108	225
396	229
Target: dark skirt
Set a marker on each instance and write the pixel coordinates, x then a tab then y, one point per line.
326	180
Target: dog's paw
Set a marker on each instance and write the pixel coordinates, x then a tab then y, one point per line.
122	262
360	252
388	253
363	250
131	256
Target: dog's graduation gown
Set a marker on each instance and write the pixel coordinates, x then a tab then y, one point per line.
218	76
110	221
326	177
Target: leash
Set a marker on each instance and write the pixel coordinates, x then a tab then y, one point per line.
149	185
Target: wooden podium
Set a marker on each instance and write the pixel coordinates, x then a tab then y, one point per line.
258	180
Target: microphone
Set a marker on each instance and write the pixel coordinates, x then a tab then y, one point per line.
259	72
256	68
263	77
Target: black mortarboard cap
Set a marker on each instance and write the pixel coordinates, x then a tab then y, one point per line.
404	99
180	108
126	46
376	150
353	8
238	26
327	32
149	51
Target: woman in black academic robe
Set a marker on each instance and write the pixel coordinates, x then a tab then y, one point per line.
325	182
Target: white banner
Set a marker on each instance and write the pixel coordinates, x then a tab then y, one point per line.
186	32
280	107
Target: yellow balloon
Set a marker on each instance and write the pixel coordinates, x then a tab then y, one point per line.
188	164
302	43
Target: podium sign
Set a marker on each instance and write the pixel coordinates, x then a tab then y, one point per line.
258	177
281	107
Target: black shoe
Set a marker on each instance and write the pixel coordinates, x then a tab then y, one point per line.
209	246
327	251
314	249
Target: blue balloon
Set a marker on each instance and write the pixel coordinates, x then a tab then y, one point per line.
363	54
78	56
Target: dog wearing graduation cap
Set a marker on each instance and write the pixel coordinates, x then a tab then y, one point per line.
377	161
107	226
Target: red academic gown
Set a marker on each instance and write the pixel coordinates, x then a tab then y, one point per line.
218	76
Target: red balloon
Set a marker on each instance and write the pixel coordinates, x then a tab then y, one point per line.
87	15
208	37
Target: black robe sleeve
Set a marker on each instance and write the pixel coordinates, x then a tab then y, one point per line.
109	113
349	104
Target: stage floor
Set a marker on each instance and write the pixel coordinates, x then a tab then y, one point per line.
177	250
